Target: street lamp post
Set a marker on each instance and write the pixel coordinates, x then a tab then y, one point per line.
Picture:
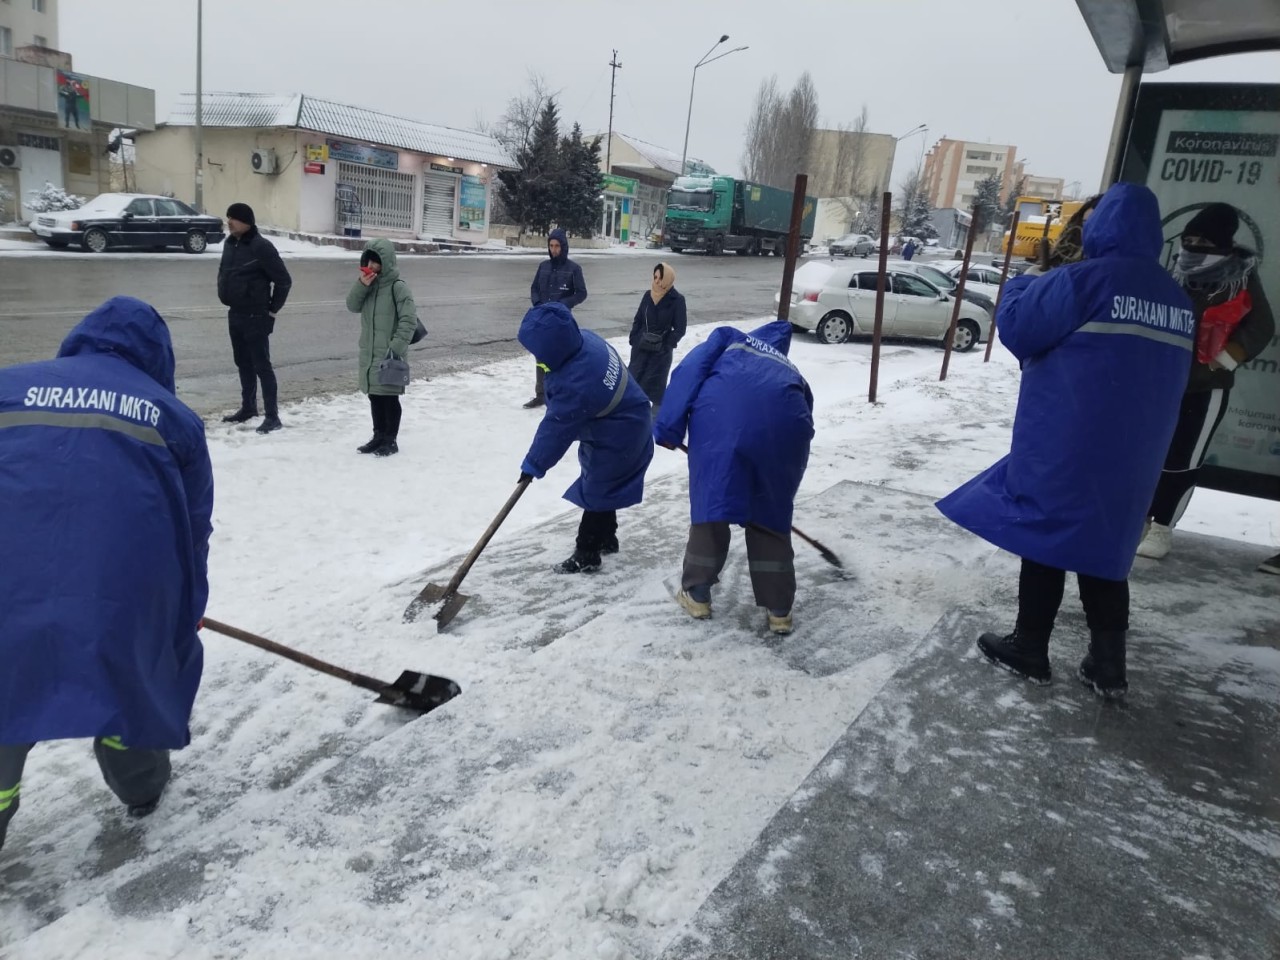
706	58
199	194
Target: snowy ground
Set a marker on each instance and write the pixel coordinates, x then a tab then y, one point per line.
608	761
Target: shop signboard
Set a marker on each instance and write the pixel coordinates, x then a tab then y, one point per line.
360	153
1196	144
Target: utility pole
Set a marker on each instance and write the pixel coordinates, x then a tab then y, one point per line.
608	148
200	105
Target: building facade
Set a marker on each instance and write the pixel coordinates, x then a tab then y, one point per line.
28	23
834	155
316	166
651	169
1050	188
954	168
56	125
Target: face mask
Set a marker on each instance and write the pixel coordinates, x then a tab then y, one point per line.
1193	261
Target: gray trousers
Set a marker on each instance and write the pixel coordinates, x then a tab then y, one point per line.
770	559
134	776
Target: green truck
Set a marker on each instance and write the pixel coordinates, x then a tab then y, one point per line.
716	214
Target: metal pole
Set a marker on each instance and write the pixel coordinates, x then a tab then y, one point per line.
959	291
200	105
886	212
1004	275
1129	84
793	245
608	150
684	153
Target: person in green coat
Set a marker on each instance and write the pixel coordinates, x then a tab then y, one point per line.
388	318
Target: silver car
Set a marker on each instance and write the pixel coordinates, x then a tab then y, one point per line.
852	245
837	301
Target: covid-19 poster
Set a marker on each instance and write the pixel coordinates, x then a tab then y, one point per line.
1196	144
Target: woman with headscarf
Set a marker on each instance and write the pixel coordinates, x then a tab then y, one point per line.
658	326
1234	324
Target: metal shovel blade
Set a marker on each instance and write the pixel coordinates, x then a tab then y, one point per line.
449	609
419	691
431	594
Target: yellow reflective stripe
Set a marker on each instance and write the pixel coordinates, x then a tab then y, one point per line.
113	742
543	367
9	797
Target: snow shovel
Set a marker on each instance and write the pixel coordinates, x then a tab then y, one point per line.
827	553
453	600
413	691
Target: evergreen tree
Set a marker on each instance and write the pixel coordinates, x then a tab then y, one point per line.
986	201
579	205
920	219
1011	202
531	191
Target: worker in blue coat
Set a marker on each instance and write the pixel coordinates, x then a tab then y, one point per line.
1106	347
591	399
106	493
748	414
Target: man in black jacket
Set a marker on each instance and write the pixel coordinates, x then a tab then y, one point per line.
558	280
254	284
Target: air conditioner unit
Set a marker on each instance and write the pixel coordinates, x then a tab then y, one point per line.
264	161
10	158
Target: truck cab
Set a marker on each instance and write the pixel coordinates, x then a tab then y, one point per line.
699	213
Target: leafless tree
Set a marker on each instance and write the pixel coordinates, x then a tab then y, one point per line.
779	136
514	128
852	174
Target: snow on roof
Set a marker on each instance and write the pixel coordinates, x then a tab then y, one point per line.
338	120
657	157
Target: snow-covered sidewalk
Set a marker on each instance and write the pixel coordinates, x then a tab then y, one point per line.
608	761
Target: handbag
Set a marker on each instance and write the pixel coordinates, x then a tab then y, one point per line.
392	371
419	331
650	341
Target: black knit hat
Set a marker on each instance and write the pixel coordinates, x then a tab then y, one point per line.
242	212
1217	223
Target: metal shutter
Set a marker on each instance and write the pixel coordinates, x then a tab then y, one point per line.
438	207
386	197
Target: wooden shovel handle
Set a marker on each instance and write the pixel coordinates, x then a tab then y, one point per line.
507	507
359	679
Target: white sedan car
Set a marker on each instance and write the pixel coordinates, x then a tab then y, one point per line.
837	301
981	278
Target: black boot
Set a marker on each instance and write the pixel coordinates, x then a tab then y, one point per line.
1023	653
241	415
1103	666
582	561
534	402
270	424
374	442
387	447
610	545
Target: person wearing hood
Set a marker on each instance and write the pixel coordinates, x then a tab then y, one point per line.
748	414
558	280
388	319
591	399
1105	345
658	325
253	284
106	496
1234	324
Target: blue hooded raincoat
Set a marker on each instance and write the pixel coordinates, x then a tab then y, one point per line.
749	416
1105	346
106	493
592	399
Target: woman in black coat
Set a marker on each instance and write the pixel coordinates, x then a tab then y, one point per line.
658	326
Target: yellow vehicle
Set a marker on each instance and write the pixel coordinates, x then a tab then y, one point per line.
1042	220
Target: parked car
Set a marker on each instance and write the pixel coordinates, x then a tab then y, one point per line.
837	301
852	245
973	292
982	277
129	220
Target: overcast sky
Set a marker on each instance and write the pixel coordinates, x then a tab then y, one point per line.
1005	71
